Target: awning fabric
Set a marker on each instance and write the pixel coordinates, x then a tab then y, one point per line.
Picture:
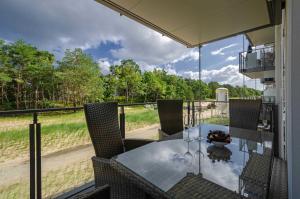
262	36
195	22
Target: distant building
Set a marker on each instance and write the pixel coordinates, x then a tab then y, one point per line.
222	94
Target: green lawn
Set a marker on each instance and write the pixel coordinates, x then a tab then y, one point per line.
59	131
217	120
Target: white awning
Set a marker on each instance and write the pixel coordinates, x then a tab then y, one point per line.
194	22
262	36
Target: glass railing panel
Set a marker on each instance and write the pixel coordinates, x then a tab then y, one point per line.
215	112
66	152
141	121
263	58
14	156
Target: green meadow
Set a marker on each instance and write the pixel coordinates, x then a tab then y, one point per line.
59	131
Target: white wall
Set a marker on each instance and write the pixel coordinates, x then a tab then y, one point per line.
293	97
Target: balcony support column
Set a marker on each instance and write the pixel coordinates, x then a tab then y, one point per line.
293	97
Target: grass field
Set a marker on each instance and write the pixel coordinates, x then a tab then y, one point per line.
59	131
217	120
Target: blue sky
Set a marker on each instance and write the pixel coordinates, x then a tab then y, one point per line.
58	25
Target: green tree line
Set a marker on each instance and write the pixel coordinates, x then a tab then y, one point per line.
31	78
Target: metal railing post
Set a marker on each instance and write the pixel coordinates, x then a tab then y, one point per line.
193	113
35	158
212	106
32	160
188	113
122	122
38	162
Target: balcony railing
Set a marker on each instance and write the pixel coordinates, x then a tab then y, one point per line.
257	60
53	160
33	160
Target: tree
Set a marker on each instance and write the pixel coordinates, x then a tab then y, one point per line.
154	85
4	75
30	79
110	87
79	78
199	88
129	78
39	74
213	86
27	67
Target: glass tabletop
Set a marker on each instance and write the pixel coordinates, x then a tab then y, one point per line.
243	166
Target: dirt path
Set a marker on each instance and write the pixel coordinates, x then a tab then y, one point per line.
148	132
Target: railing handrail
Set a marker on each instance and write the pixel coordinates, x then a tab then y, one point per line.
261	52
45	110
258	49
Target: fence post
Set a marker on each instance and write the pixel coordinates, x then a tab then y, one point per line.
122	122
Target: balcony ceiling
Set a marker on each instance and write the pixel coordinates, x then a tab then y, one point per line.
194	22
262	36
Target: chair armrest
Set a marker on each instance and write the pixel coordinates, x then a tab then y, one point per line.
100	160
102	192
135	143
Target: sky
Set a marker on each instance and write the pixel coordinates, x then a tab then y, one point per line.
57	25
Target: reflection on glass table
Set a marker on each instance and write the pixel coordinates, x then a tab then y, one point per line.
165	165
218	153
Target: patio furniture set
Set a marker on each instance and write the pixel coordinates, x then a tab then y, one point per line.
181	164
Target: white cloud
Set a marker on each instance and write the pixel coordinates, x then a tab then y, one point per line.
220	51
190	74
231	58
104	65
192	55
226	75
55	26
170	70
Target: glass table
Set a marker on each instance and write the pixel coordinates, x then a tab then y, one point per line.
185	165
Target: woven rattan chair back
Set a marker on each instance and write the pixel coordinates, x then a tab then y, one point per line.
244	113
103	126
170	115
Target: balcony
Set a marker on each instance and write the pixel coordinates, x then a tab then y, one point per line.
254	64
49	150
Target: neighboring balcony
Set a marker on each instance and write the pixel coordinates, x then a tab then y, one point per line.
255	63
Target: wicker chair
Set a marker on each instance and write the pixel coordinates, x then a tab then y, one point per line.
244	113
171	117
103	127
97	193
